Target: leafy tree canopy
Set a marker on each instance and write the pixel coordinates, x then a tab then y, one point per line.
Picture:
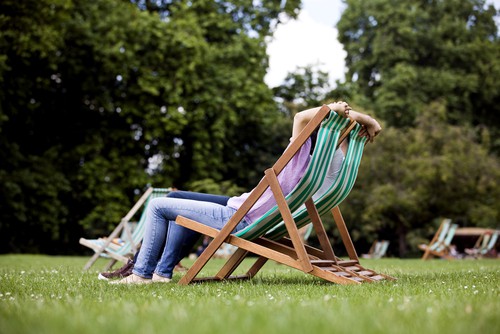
403	55
100	99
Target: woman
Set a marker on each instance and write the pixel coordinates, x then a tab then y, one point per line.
163	236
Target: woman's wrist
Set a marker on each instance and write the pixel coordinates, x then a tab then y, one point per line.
342	111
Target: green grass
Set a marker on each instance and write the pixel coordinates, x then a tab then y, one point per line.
44	294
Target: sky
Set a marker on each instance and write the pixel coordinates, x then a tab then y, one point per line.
311	40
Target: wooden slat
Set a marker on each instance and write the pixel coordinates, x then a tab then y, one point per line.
365	273
347	262
351	267
322	263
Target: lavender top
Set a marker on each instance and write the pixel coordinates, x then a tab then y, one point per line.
288	179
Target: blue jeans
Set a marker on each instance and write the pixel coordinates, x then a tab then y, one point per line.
190	236
163	236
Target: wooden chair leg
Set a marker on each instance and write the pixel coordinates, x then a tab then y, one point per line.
344	234
232	263
320	230
261	261
291	227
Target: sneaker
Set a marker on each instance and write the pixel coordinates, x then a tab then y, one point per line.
122	272
180	268
132	279
160	279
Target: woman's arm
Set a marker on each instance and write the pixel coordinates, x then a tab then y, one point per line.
302	118
371	128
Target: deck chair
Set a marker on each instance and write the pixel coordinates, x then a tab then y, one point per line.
484	245
328	201
265	237
377	250
130	239
305	232
439	245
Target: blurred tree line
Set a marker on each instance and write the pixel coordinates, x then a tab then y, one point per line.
100	99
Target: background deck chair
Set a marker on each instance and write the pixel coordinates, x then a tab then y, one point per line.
289	251
305	232
377	250
439	245
484	245
130	239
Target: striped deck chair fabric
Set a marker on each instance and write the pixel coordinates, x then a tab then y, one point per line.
337	192
484	245
442	247
130	240
491	244
378	250
312	180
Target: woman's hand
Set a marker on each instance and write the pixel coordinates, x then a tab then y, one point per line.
340	107
371	128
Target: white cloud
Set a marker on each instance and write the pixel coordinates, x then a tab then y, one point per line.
303	42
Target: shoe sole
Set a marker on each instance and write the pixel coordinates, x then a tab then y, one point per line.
102	278
119	282
169	281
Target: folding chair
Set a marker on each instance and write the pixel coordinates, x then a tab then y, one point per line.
305	232
289	251
130	239
377	250
484	245
439	245
328	201
484	251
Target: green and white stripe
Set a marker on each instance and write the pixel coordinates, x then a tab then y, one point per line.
337	192
328	135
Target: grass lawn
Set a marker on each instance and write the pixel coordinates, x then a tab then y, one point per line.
47	294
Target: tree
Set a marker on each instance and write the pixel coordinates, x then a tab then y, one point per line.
302	89
100	99
228	107
403	55
410	177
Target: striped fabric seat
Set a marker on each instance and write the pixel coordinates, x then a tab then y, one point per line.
312	180
337	192
377	250
489	245
445	227
129	240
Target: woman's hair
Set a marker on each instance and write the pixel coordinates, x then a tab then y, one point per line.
314	138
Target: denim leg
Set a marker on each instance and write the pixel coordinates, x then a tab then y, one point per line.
195	196
178	238
210	214
153	241
189	236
